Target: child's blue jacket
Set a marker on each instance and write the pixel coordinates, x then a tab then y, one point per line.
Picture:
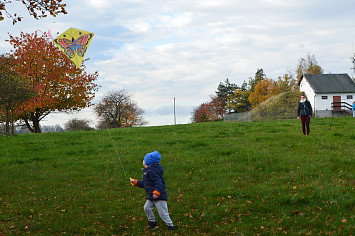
153	182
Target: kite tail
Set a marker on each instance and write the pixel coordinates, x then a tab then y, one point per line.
50	35
47	34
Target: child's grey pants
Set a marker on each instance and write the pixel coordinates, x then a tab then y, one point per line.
162	208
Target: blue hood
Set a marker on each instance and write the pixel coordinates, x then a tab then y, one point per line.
152	158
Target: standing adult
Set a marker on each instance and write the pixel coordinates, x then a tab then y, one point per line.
305	110
354	109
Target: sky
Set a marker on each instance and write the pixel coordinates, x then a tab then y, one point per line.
159	50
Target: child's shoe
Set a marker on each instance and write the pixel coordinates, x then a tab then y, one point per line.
152	224
172	228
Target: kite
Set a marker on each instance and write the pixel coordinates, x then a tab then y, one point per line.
74	43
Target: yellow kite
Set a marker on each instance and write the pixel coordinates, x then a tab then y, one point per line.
74	43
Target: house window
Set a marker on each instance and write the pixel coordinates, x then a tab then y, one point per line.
349	96
324	97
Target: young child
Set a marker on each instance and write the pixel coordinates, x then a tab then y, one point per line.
154	185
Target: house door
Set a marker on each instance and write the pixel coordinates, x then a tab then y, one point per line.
336	103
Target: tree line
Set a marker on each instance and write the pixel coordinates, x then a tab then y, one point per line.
231	98
37	79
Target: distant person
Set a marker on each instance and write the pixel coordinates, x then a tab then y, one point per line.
305	110
354	109
154	185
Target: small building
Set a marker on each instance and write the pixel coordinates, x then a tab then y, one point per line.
329	94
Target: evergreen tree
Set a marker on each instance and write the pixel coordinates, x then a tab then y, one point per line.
259	76
224	90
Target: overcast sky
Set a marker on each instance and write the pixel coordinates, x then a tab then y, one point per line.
161	49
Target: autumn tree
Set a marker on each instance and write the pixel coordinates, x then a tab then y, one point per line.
263	90
58	84
286	83
202	113
209	111
36	8
217	107
308	66
239	101
117	109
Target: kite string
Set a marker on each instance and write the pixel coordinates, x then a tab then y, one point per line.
118	155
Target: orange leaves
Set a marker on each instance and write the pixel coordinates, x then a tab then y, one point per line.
58	83
209	111
263	90
202	113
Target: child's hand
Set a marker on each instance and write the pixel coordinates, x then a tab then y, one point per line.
155	196
131	180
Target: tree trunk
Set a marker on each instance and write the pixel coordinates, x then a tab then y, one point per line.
36	128
12	127
12	123
29	126
7	124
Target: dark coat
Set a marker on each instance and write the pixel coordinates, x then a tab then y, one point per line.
153	182
304	109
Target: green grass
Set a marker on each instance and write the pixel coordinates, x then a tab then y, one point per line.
222	179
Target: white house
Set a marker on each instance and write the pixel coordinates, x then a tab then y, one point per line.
329	94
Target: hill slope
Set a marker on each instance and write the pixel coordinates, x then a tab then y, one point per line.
281	106
222	178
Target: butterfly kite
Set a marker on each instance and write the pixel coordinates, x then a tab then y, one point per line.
74	43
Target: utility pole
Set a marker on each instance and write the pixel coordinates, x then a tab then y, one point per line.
174	113
352	58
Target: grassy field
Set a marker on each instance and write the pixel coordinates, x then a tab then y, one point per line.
222	179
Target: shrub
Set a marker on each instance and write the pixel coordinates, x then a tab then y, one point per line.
77	124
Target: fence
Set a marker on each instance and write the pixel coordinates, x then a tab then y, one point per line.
260	115
238	117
